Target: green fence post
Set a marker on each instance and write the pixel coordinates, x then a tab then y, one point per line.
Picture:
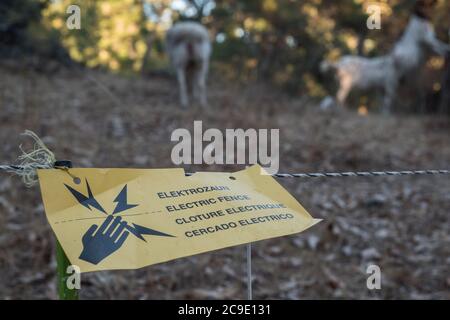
62	262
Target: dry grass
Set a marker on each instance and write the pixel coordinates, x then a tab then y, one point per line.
401	224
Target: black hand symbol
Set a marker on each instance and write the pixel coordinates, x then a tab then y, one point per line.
105	241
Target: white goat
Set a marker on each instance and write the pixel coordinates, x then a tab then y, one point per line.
355	72
189	49
408	54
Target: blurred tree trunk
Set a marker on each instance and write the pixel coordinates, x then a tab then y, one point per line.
360	47
199	6
148	52
444	105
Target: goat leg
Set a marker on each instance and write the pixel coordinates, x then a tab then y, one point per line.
181	75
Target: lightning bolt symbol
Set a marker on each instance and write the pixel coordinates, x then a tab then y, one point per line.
122	205
122	202
88	201
139	231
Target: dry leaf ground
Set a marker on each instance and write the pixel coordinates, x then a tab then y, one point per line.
401	224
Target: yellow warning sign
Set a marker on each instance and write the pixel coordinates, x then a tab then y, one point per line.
131	218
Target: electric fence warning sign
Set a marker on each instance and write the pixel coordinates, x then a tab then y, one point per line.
131	218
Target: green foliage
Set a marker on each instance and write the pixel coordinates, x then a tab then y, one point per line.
15	18
277	41
111	34
22	31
